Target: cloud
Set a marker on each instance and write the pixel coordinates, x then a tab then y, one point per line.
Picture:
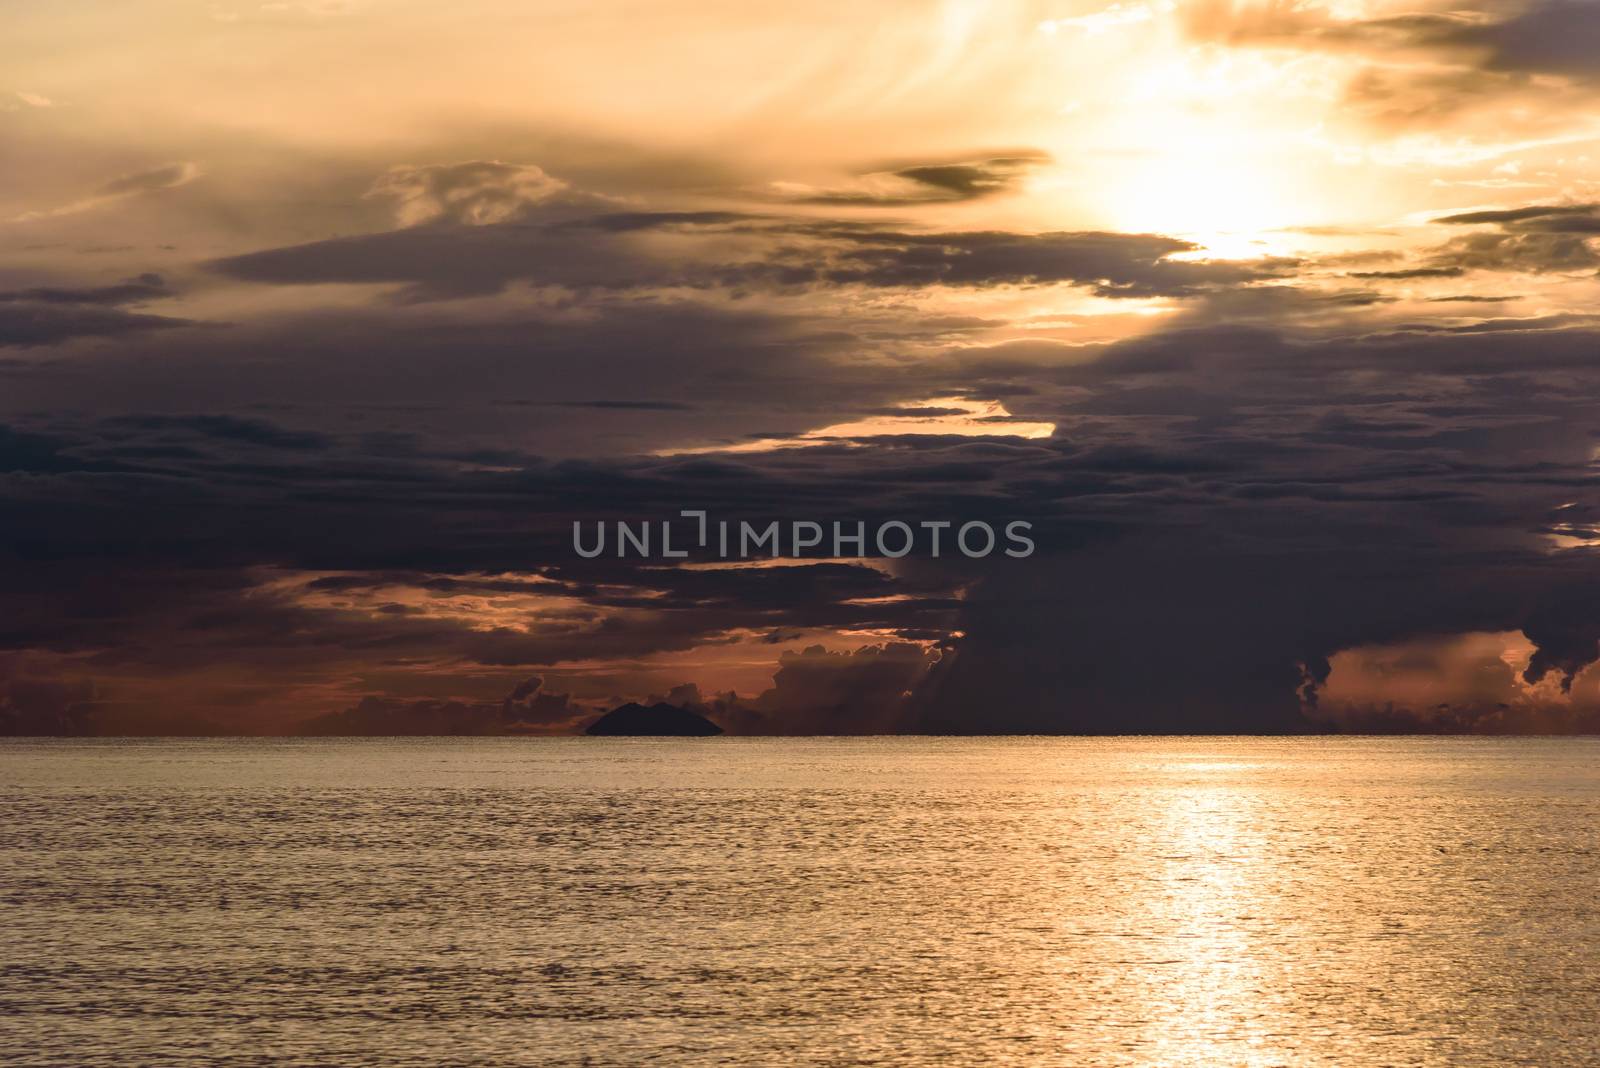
1474	683
154	180
1559	37
445	261
938	182
473	193
1551	37
868	690
46	315
1532	252
1537	238
365	507
1566	633
1542	214
35	700
738	252
145	287
1406	274
31	323
627	405
1426	69
1220	508
1110	264
1117	15
136	184
21	100
358	499
525	710
229	428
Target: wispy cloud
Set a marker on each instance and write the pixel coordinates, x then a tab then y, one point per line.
124	187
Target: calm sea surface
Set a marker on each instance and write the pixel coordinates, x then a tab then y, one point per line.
744	901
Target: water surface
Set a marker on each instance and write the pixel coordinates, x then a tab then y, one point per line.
749	901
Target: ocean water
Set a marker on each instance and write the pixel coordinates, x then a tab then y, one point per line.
1205	901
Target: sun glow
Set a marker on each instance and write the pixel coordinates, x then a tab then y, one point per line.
939	416
1221	146
1203	173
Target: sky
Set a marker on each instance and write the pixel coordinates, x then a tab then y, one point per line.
322	323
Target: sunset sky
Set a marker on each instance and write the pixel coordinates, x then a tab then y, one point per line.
322	322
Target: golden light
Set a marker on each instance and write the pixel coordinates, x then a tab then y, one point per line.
1222	146
942	416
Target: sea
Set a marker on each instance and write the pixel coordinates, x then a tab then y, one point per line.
737	901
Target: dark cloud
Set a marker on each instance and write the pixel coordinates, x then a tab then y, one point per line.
1537	56
1554	37
1532	252
1224	509
25	323
228	427
1566	632
1338	531
942	182
1537	238
628	405
1520	215
1474	719
527	709
37	701
448	260
1112	265
870	690
606	252
365	509
138	290
45	315
1560	37
1412	272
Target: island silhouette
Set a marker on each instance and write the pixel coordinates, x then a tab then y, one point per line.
657	720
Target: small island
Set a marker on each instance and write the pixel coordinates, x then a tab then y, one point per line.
659	720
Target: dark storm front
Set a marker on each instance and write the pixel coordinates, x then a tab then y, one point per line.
847	539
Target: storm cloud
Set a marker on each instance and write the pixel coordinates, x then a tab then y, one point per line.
1284	352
